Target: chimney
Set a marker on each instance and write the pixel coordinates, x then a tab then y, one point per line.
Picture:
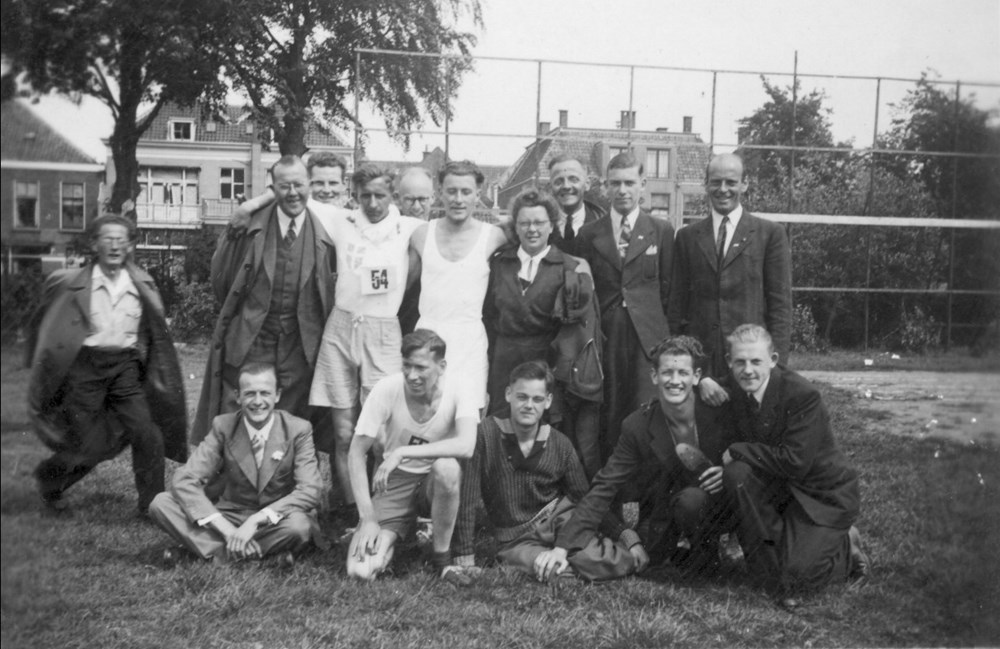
688	122
544	127
628	120
563	118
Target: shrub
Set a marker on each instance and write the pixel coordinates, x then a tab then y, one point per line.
804	331
918	331
21	295
194	312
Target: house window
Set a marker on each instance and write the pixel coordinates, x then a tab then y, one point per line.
232	184
168	186
659	204
71	204
657	163
26	204
615	150
181	129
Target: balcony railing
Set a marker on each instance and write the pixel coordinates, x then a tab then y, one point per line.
218	208
160	215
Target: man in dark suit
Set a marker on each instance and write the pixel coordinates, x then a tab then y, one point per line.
795	495
730	269
104	372
568	181
669	458
629	255
266	463
275	279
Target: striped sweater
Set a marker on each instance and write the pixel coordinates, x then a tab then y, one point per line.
514	489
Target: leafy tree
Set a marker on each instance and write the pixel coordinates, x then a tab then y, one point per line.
930	119
295	60
124	53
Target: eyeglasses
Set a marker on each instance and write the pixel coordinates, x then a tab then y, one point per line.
417	199
537	225
113	241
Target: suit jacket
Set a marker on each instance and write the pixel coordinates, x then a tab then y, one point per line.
645	463
591	213
288	479
754	286
641	279
790	441
61	325
242	269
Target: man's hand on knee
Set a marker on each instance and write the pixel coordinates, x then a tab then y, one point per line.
367	540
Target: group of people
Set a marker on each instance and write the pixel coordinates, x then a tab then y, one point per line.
551	369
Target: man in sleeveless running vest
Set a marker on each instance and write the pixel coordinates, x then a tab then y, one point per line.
273	277
362	336
453	253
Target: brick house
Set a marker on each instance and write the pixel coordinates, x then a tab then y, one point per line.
674	163
50	192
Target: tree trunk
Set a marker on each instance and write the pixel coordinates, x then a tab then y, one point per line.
294	140
124	140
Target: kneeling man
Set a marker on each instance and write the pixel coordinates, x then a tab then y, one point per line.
423	424
529	477
669	459
795	494
266	463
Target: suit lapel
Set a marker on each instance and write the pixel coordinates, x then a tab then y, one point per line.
605	244
706	241
239	447
308	249
265	250
660	441
643	236
274	452
741	238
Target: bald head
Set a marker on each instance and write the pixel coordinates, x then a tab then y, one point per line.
414	192
725	182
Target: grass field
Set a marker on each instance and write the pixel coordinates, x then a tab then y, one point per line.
89	578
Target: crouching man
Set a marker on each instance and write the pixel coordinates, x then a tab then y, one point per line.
423	423
669	459
795	494
529	477
266	463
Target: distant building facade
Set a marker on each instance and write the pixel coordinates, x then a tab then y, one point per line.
50	191
674	163
193	170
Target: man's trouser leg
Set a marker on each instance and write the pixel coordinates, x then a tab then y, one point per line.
758	506
601	559
812	556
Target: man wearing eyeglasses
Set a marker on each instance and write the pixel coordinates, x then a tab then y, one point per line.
104	372
275	279
414	195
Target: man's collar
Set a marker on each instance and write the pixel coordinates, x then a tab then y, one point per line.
734	217
264	431
632	216
758	396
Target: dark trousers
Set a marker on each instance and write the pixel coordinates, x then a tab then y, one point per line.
581	422
100	383
786	551
627	384
689	513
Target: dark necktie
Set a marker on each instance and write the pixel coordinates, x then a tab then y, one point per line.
624	237
568	234
720	241
753	404
290	234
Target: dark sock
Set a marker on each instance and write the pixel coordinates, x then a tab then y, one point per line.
441	560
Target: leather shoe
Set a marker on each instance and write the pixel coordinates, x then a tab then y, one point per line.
286	561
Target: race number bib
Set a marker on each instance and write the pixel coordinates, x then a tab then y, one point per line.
377	280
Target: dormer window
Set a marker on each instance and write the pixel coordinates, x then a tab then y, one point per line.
181	129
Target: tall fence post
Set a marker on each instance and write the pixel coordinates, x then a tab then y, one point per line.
357	106
711	133
869	198
954	214
791	164
631	89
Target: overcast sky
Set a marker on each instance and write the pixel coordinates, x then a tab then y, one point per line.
958	39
